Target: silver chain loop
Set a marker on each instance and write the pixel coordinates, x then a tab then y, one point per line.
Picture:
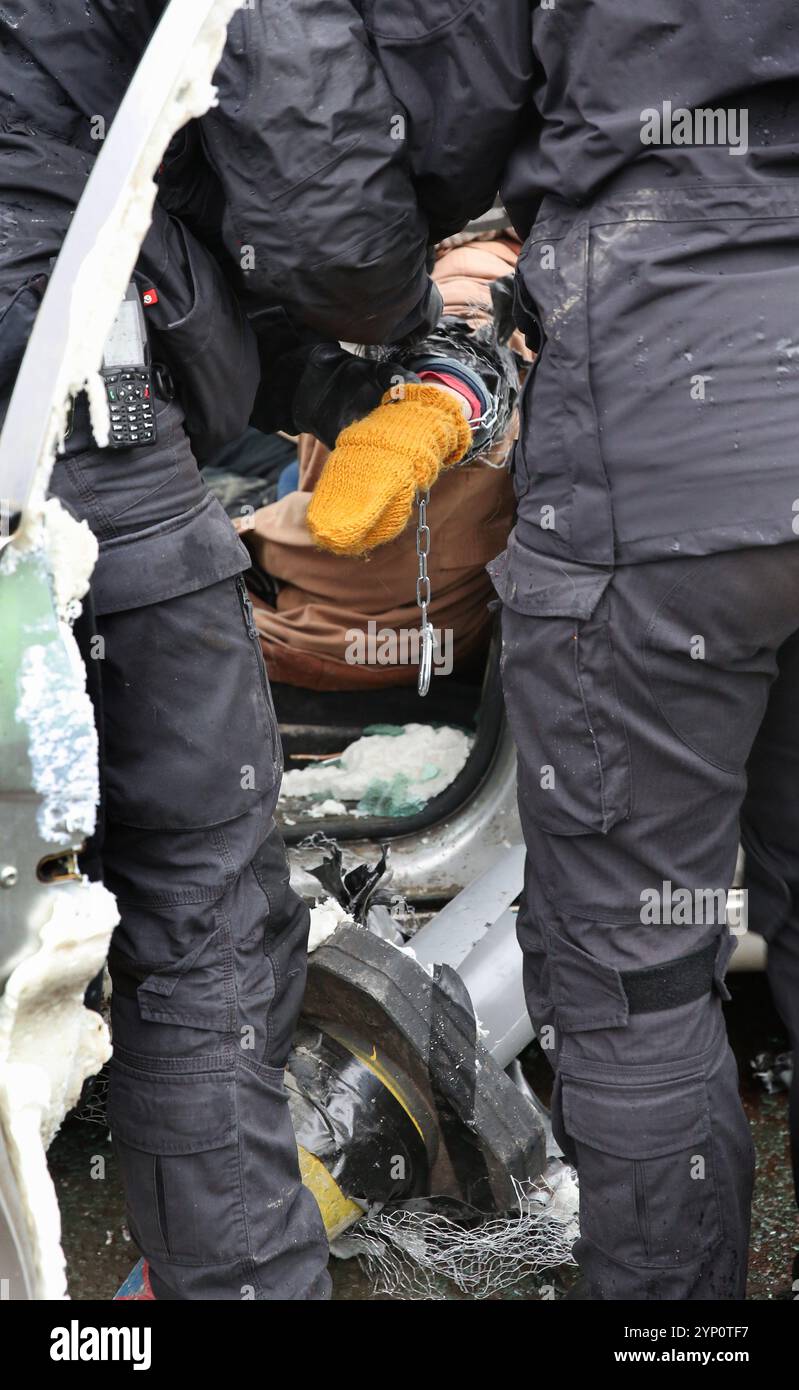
426	634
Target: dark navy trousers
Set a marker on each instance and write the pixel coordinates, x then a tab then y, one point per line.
654	708
208	961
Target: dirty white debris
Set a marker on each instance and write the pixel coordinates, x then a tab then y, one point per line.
325	918
328	807
49	1044
52	700
62	740
70	550
386	772
562	1203
73	554
98	408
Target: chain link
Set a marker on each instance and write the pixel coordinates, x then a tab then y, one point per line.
422	553
426	636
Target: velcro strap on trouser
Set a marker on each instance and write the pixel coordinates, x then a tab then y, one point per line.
667	986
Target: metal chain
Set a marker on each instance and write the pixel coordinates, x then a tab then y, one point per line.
426	635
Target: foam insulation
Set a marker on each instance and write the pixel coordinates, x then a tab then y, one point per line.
66	546
49	1042
52	701
62	742
73	551
329	807
367	771
325	918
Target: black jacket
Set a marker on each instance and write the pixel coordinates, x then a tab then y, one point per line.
295	184
660	279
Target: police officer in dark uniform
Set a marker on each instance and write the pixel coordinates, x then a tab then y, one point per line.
290	195
650	589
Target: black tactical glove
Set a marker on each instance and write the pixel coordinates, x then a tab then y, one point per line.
320	388
337	388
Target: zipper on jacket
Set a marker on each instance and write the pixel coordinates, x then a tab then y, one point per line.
246	607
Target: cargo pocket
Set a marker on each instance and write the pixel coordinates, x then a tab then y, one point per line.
558	675
210	987
190	733
587	994
648	1190
176	1137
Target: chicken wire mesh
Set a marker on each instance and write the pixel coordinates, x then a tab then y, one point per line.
413	1254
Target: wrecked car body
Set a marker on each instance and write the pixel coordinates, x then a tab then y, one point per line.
401	1080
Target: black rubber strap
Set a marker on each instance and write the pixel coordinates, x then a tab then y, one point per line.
668	986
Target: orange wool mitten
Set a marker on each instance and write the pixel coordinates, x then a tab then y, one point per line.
366	490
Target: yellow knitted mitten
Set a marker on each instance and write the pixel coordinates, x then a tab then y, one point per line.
365	494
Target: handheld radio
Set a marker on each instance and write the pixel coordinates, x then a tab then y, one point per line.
127	373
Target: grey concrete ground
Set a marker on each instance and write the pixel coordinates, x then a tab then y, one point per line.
100	1252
